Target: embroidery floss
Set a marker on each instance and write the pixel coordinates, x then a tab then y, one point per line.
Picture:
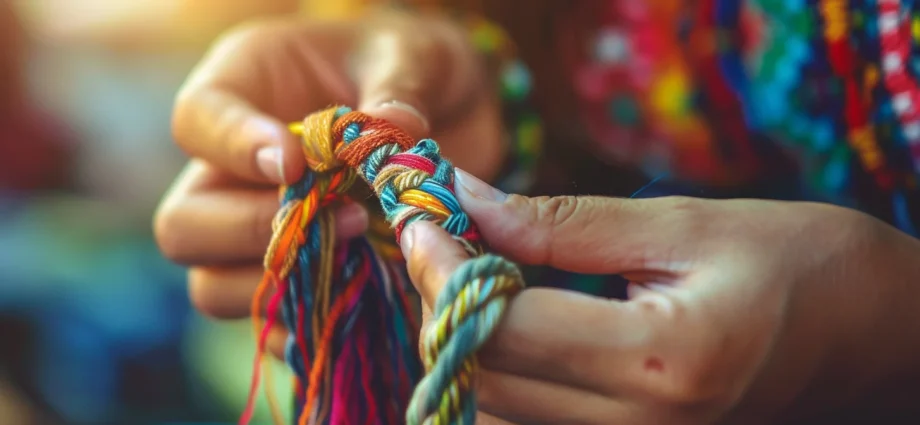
354	355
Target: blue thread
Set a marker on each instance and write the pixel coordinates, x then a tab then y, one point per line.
351	132
442	193
428	149
299	189
342	110
648	185
444	172
457	222
476	329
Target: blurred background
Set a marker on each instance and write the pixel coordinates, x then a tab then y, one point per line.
95	326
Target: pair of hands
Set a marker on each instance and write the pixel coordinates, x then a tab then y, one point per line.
740	311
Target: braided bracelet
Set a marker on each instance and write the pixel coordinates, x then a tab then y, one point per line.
351	342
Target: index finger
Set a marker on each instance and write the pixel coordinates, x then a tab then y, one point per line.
227	131
232	111
569	338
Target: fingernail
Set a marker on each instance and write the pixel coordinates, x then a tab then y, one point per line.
403	106
478	188
269	160
407	239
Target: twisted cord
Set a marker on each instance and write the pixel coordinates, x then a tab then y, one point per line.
352	337
301	203
467	313
346	307
413	182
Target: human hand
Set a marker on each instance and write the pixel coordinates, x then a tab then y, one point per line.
740	312
231	117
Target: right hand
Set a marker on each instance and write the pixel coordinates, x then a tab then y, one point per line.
231	116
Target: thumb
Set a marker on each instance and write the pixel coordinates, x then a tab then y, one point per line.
583	234
431	256
409	70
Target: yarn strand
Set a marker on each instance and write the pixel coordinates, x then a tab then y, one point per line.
353	343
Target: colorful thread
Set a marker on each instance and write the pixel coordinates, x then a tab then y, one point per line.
356	350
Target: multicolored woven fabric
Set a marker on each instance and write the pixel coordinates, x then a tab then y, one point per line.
719	93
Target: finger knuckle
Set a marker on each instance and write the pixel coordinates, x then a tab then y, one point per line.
557	211
246	39
167	233
554	215
261	224
202	293
182	116
686	215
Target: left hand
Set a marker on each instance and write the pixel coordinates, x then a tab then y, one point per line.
740	311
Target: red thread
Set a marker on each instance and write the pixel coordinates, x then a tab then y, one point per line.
412	161
271	314
323	349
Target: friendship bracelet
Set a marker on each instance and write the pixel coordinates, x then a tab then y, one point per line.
351	346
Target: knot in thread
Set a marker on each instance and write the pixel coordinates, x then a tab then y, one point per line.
317	142
467	311
359	135
412	181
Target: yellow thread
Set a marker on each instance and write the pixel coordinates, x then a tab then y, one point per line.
317	141
425	201
403	178
390	173
410	180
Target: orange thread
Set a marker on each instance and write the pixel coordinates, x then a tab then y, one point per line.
325	342
262	331
375	133
425	201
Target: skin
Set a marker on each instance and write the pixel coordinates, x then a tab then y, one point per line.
783	304
741	311
231	117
